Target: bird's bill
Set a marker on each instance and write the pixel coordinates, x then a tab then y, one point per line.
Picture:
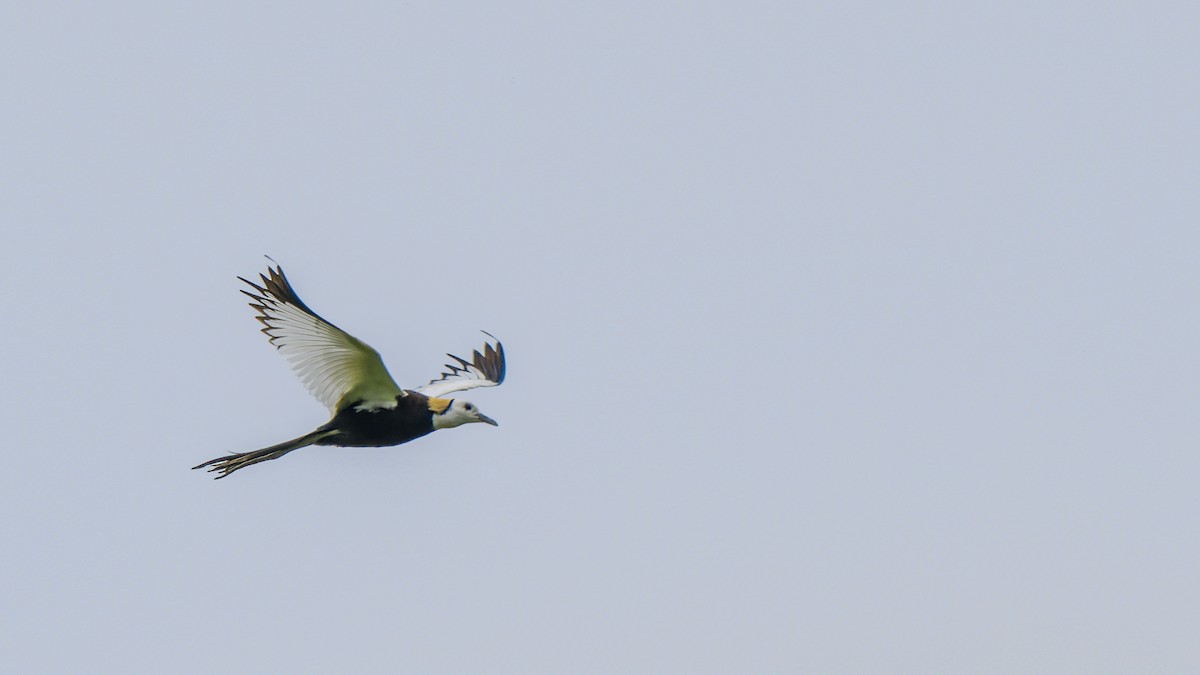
487	420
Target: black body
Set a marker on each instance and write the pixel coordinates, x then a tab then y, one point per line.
411	418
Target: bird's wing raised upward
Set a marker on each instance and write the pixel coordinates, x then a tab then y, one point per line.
338	368
484	370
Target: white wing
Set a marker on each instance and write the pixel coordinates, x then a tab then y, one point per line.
484	370
338	368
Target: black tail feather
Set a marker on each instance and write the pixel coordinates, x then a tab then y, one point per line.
240	460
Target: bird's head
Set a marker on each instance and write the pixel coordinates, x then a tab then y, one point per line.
458	413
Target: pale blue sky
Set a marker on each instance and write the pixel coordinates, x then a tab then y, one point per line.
843	337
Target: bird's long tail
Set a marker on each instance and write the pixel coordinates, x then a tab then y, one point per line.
240	460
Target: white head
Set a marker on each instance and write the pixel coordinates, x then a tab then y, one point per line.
458	413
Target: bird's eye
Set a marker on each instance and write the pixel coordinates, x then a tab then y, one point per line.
469	407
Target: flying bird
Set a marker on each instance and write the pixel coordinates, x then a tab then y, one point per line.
348	376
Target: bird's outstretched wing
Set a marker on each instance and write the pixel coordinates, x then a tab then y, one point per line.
338	368
484	370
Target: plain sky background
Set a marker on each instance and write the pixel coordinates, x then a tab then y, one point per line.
843	337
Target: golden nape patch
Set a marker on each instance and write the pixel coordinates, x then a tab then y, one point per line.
439	405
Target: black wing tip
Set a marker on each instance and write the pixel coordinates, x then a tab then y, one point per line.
278	269
491	361
276	287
